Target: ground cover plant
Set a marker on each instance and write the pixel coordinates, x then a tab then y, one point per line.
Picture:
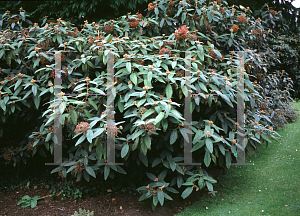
149	93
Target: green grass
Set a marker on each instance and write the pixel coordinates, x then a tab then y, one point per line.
269	187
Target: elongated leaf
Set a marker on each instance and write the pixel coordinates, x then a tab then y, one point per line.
162	22
2	105
156	162
59	39
151	176
98	132
160	196
36	101
159	117
227	100
184	134
209	186
34	90
106	171
62	107
93	103
228	159
187	192
136	134
124	150
203	87
133	78
207	159
91	172
147	113
80	140
169	91
147	141
222	149
89	135
17	84
198	145
128	67
209	145
97	91
73	116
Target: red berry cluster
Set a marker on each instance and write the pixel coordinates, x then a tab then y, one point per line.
44	60
50	129
149	127
78	167
209	28
192	36
141	62
151	7
180	73
73	84
109	29
60	173
65	69
10	77
241	19
222	10
74	34
181	33
254	32
24	32
133	23
43	45
273	12
91	41
164	51
142	111
7	155
82	127
235	28
211	53
171	3
112	130
139	15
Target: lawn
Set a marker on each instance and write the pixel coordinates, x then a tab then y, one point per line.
269	187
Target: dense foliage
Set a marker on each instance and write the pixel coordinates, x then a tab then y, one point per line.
149	92
75	11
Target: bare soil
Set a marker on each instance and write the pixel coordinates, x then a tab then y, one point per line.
114	203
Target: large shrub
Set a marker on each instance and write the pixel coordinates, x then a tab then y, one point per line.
149	93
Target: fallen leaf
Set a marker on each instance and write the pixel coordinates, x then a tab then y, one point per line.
114	201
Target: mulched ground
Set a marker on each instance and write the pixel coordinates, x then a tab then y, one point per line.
117	203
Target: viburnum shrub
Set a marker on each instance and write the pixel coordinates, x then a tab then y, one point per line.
149	93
